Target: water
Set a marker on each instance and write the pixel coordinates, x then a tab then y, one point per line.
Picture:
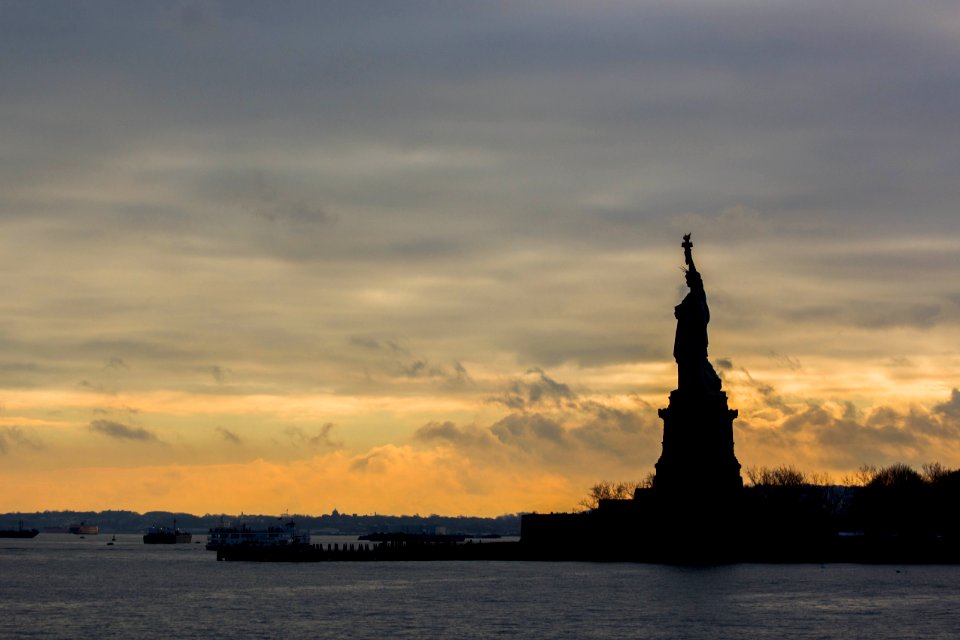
61	586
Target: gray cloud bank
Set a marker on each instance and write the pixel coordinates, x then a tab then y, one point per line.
844	437
551	425
586	435
276	190
637	108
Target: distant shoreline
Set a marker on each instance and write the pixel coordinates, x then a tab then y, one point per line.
335	523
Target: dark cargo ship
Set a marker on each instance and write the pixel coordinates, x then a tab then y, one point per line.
19	532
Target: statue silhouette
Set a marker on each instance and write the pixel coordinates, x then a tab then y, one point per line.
697	463
696	374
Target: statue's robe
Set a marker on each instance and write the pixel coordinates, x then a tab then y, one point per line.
690	345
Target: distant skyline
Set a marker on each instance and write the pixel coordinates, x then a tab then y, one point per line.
411	257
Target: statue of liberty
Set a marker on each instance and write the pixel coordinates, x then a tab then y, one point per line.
696	374
697	462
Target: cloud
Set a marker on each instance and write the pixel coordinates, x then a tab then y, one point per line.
768	395
527	431
115	363
950	410
875	315
296	211
121	431
592	432
229	436
733	223
786	361
195	15
18	437
453	374
549	424
535	389
838	435
96	387
275	214
376	344
396	359
322	438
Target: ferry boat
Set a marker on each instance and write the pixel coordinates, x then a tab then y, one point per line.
84	529
166	535
245	536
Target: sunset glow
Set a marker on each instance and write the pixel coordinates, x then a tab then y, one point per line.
425	260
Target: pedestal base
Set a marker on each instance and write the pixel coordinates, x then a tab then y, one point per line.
697	459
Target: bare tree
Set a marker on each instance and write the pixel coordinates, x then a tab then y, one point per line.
647	482
861	477
820	479
608	490
782	476
896	475
934	472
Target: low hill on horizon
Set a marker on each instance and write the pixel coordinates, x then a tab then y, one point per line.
334	523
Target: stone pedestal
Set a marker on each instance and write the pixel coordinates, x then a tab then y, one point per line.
697	459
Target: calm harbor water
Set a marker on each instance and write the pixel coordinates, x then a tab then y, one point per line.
61	586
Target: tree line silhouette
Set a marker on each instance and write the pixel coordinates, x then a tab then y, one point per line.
783	506
895	475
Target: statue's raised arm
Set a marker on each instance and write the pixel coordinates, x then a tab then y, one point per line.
688	252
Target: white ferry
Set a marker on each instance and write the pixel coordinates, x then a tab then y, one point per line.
286	535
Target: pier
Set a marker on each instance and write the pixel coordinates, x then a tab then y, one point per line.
397	549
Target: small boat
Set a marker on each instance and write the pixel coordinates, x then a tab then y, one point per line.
19	532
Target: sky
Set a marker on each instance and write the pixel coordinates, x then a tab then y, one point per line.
421	257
